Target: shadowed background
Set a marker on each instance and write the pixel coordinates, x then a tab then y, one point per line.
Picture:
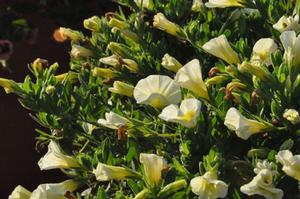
18	162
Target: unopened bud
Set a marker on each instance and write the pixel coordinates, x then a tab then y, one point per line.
116	23
130	65
79	51
197	5
260	72
172	188
170	63
292	115
122	88
70	76
10	86
50	89
232	71
119	49
112	60
38	65
213	71
130	35
216	80
104	73
92	23
63	34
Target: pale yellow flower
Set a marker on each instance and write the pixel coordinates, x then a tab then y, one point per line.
153	167
225	3
291	44
186	114
190	77
292	115
105	172
50	89
242	126
221	48
20	193
54	190
67	33
56	159
122	88
157	91
79	51
287	23
92	23
290	162
144	3
262	184
208	186
170	63
197	5
262	51
112	60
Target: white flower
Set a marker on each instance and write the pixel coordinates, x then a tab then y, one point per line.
20	193
112	60
79	51
290	162
190	77
242	126
221	48
262	51
54	190
113	120
208	186
292	115
225	3
262	184
170	63
287	23
153	167
144	3
186	114
261	165
157	91
105	172
56	159
162	23
291	44
197	5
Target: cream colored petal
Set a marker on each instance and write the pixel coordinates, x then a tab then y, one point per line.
105	172
170	113
288	39
113	120
20	193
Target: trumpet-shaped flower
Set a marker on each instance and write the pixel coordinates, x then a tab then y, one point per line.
105	172
242	126
170	63
162	23
54	190
190	77
292	115
221	48
153	167
56	159
290	162
20	193
186	114
287	23
291	44
208	186
262	184
225	3
113	120
122	88
262	51
157	91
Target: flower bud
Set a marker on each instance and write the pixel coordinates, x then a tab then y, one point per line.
170	63
213	71
105	172
104	73
112	60
258	71
131	65
122	88
10	86
197	5
144	3
50	89
92	23
69	76
172	188
116	23
216	80
119	49
232	71
292	115
38	65
130	35
142	194
162	23
79	51
20	193
66	33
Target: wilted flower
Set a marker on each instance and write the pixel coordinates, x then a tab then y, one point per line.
113	120
262	51
186	114
287	23
112	60
54	190
50	89
262	184
20	193
225	3
105	172
265	164
170	63
221	48
6	49
208	186
162	23
153	167
92	23
122	88
242	126
190	77
292	115
104	73
157	91
290	162
197	5
79	51
56	159
291	44
63	34
144	3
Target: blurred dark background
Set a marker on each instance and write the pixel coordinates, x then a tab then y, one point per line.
29	26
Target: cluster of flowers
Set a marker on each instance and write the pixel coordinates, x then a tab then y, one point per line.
178	103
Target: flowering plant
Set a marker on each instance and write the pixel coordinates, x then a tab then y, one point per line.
177	99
